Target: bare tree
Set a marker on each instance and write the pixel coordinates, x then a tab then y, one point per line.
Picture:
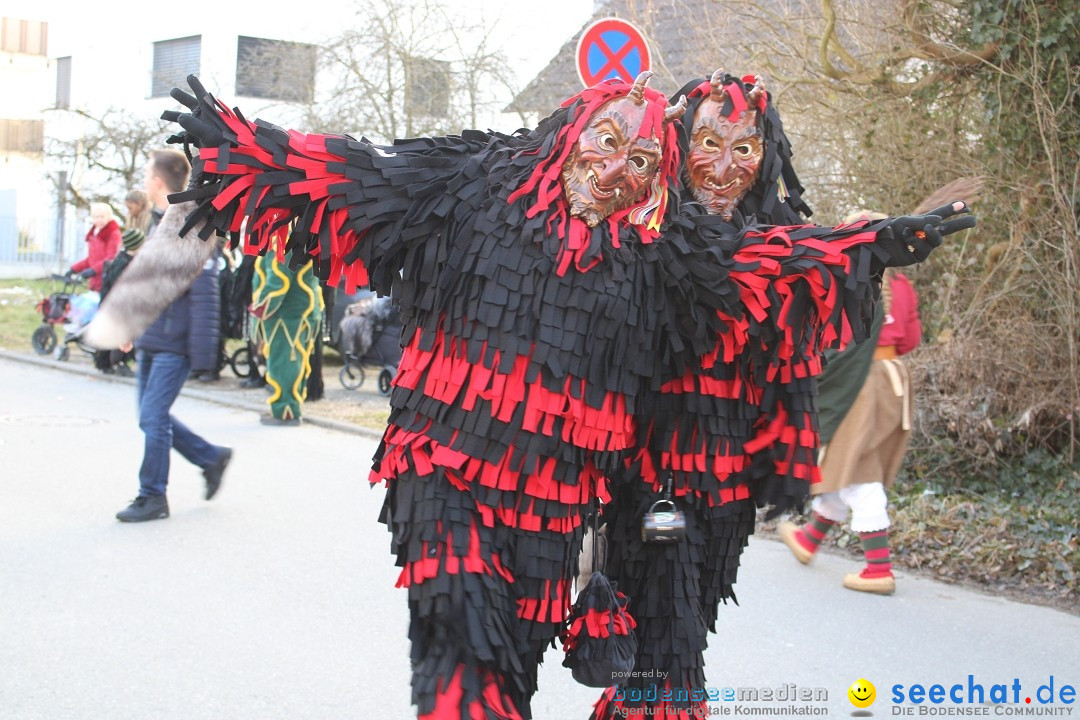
409	68
886	102
105	157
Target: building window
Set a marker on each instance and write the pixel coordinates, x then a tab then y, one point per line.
275	69
427	87
27	136
63	83
29	37
174	60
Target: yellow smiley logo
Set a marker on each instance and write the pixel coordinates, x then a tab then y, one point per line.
862	693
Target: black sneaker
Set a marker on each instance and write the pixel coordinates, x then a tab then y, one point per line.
145	507
213	473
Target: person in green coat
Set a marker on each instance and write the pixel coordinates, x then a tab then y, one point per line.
288	307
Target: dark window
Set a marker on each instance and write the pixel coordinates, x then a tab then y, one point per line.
275	69
427	87
29	37
63	83
26	136
174	60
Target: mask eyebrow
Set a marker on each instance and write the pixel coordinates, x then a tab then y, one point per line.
647	144
722	128
748	133
615	119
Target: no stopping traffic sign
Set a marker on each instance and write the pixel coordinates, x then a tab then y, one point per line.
611	48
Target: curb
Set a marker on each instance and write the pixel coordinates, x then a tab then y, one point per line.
193	393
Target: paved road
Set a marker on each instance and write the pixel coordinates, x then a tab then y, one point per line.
276	600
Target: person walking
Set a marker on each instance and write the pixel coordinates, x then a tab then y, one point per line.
163	359
865	410
185	334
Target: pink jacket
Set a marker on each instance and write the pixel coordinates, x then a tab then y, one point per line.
101	247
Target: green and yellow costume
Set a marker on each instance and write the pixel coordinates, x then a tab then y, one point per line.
288	307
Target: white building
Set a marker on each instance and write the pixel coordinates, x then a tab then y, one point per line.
54	65
25	74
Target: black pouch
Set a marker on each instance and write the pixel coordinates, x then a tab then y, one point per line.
599	637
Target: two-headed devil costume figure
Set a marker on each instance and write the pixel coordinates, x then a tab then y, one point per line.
540	306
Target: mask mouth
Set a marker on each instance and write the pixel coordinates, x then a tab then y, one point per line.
598	192
711	185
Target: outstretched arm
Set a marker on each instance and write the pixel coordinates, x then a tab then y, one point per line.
781	295
363	213
356	208
797	285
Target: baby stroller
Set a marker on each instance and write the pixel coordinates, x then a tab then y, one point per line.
68	309
370	335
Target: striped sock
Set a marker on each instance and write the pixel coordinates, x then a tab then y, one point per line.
876	548
812	533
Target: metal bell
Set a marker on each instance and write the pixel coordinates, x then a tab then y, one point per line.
663	523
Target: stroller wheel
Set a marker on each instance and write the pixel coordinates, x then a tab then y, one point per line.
43	339
240	362
62	353
386	378
351	376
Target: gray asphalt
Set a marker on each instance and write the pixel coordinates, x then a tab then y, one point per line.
276	600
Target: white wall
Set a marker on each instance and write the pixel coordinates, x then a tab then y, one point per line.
25	92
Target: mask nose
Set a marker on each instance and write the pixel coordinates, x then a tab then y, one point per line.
613	172
725	165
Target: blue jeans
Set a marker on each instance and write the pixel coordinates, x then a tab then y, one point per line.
159	379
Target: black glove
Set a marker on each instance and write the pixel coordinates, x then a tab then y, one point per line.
198	131
88	273
910	239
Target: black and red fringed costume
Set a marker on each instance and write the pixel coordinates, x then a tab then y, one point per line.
534	343
737	429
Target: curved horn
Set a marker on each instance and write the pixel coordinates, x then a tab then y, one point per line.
717	81
757	92
674	112
637	93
